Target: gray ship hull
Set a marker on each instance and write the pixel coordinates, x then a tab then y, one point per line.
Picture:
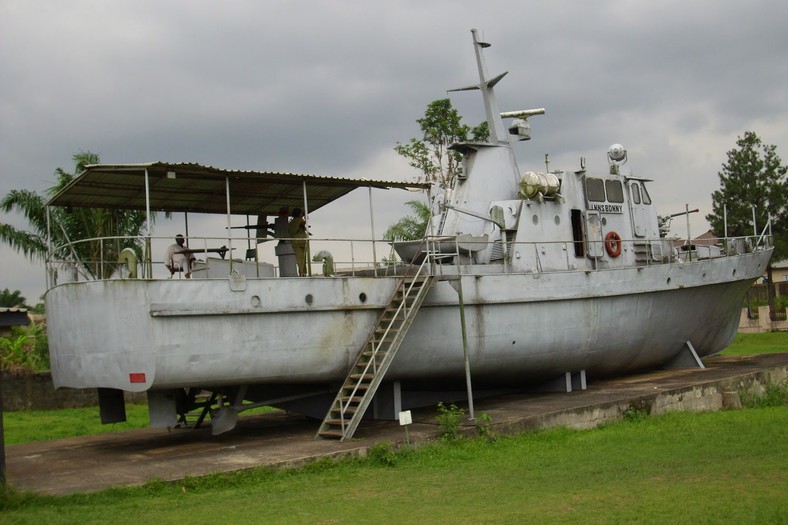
521	328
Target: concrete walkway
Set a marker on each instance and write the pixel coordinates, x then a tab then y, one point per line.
94	463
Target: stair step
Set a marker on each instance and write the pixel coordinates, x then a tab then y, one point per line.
355	399
410	295
368	377
390	338
335	412
332	434
336	422
360	375
359	386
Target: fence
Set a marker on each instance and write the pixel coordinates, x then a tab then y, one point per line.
36	392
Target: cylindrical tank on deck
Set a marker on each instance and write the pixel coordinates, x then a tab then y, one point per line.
532	183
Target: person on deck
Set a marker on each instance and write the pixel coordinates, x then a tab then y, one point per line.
297	231
177	261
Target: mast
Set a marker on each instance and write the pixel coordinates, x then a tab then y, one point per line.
497	132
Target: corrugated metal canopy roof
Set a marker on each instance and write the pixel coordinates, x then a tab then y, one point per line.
13	317
202	189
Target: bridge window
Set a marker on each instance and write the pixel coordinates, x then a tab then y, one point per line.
615	192
601	190
634	188
595	190
646	196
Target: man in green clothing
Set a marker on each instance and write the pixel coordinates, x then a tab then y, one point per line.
297	231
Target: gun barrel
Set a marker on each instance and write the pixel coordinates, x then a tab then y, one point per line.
683	213
523	113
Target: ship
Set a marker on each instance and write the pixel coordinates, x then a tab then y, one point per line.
525	279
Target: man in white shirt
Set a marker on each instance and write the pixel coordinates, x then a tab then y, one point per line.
176	261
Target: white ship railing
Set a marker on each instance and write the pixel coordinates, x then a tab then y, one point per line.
69	262
354	257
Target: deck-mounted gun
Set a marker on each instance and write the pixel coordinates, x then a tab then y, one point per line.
664	221
520	126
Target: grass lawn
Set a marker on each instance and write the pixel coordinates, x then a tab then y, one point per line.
25	426
722	467
766	343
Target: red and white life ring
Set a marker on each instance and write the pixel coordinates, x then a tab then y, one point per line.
613	244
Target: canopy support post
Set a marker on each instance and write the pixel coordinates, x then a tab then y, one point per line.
229	229
372	225
308	254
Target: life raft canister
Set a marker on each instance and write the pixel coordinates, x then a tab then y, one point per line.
129	258
613	244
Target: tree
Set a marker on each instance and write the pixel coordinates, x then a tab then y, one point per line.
410	228
67	225
441	127
9	299
753	176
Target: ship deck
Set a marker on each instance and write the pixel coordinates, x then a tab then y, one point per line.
88	464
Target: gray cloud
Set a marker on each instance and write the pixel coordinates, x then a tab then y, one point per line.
329	87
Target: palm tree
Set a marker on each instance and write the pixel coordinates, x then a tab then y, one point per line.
9	299
67	225
410	228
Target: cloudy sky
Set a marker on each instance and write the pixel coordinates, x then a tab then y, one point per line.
329	87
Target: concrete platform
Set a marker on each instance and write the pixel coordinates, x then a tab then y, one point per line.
90	464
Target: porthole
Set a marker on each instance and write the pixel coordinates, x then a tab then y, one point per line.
535	219
668	281
309	299
256	301
362	297
557	220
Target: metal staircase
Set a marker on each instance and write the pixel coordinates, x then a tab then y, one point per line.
375	356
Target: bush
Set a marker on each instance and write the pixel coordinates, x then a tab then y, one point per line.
756	297
449	419
484	425
26	351
634	414
774	395
381	454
